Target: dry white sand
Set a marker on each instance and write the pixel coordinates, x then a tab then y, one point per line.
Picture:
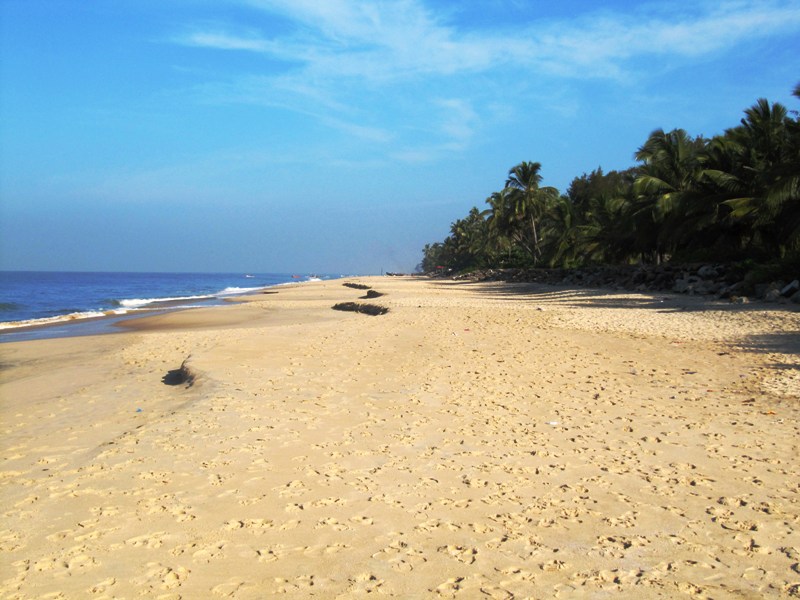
479	440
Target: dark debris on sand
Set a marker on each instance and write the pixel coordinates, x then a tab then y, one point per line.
372	294
367	309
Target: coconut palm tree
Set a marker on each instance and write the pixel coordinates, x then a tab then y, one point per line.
500	222
530	202
665	187
765	179
560	230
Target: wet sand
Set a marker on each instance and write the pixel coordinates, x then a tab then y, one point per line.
478	440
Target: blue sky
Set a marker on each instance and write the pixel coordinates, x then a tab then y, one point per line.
334	135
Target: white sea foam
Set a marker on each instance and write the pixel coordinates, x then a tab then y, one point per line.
94	302
127	306
230	291
151	302
89	314
131	305
142	302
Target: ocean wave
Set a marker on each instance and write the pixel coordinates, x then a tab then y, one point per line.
74	316
123	307
230	291
142	302
155	302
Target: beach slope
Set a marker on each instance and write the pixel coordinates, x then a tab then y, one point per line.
476	440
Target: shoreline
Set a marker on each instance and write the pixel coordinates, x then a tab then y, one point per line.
504	439
90	324
67	326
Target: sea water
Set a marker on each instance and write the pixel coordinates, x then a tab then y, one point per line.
88	303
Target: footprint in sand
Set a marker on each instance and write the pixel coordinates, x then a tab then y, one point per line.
272	553
209	552
365	583
400	556
230	588
291	489
327	502
516	575
148	540
551	566
324	549
103	586
302	584
161	576
450	587
464	554
333	523
256	526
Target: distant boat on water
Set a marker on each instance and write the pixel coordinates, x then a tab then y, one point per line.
308	277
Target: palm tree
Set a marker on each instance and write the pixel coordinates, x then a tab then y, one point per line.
766	177
560	233
665	186
529	203
469	240
609	233
500	221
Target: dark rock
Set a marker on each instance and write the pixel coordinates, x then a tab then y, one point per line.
789	289
707	272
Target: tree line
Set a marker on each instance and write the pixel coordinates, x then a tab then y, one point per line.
729	198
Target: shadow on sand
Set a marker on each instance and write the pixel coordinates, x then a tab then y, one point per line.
783	342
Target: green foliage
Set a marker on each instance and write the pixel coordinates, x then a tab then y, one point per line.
733	197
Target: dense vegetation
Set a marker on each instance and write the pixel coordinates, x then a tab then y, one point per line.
731	198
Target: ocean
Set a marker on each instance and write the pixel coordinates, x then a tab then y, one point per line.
89	303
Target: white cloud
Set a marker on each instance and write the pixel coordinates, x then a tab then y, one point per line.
224	41
458	121
364	132
345	57
394	40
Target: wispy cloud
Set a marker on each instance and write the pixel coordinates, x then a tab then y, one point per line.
222	40
341	53
401	38
457	121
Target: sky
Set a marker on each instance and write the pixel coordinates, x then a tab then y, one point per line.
340	136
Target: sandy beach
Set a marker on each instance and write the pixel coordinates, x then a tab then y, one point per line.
477	441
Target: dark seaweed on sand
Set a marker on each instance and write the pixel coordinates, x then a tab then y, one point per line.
356	286
179	376
372	294
367	309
